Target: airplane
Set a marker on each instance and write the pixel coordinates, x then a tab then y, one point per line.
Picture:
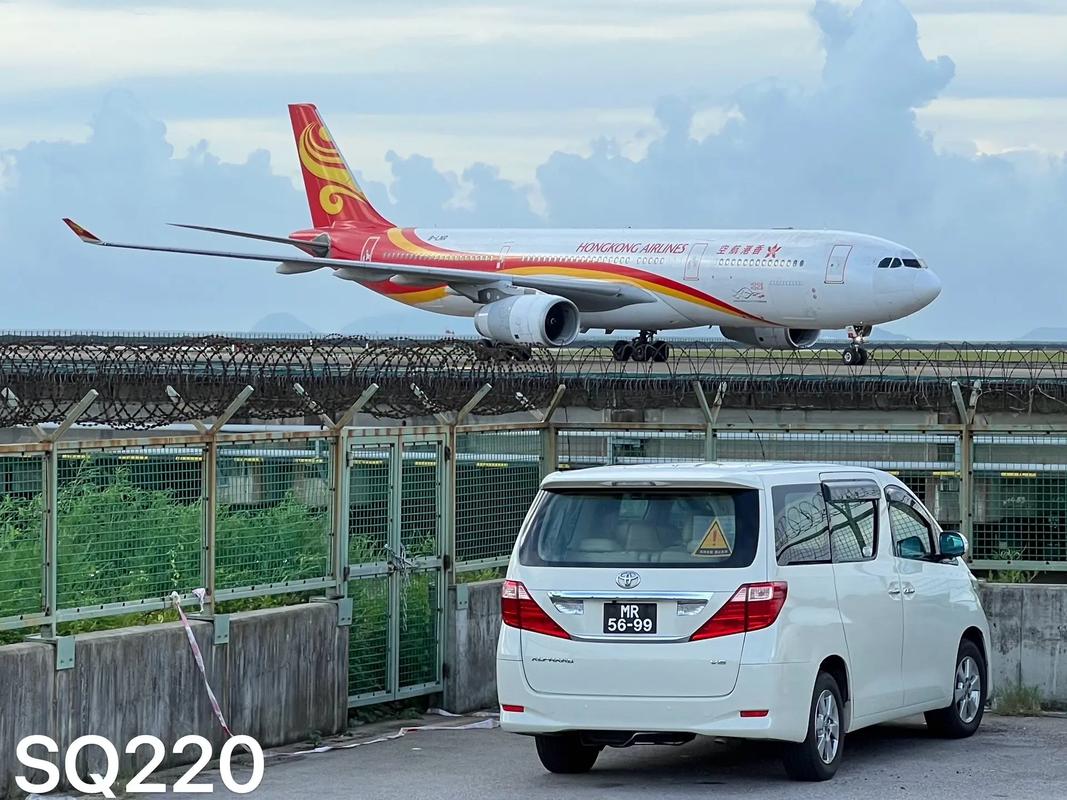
775	288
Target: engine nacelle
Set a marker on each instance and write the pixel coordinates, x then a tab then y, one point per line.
544	319
773	338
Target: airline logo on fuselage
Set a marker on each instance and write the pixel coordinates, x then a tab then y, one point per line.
632	247
765	250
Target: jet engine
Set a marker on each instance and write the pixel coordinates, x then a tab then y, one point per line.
544	319
772	338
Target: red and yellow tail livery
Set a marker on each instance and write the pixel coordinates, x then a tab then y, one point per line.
333	194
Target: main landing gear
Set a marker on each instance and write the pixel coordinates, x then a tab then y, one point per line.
856	355
642	347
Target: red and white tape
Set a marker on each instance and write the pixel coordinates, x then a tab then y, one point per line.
198	656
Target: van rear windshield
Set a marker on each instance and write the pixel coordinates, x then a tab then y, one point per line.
669	528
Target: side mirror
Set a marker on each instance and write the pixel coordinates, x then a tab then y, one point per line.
952	545
911	547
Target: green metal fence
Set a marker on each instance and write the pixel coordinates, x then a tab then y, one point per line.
129	527
381	520
497	473
273	516
22	509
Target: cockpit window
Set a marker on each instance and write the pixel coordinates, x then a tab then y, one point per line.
884	263
914	263
895	263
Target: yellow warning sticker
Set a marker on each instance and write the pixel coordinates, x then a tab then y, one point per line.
714	544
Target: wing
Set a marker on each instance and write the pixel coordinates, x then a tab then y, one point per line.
586	294
315	247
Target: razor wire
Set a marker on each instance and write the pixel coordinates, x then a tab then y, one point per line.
147	381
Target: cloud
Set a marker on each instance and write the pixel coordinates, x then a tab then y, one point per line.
845	153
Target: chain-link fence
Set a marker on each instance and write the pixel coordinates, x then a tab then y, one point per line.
1020	498
273	516
22	508
497	476
129	526
384	518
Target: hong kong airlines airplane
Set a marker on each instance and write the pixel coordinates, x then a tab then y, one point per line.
773	288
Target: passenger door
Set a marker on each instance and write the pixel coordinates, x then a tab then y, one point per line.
868	594
835	264
931	626
692	263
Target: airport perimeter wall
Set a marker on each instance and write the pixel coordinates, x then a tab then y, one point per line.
282	677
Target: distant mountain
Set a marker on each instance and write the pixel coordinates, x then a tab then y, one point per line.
1045	335
281	322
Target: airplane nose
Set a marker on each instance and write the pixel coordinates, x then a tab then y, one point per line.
926	286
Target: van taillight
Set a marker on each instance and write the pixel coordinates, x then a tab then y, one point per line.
519	610
754	606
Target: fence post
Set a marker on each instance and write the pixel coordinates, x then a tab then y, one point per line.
340	492
209	559
209	498
50	549
966	412
550	435
339	511
50	545
711	415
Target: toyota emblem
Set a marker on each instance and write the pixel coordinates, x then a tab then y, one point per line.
628	579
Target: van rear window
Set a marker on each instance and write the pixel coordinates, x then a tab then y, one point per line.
668	528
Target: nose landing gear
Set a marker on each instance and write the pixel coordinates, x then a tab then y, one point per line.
856	355
642	347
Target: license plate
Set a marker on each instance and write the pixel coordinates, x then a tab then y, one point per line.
629	618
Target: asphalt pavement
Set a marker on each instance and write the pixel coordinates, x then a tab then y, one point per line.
1010	757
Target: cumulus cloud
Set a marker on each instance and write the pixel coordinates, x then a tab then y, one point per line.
845	153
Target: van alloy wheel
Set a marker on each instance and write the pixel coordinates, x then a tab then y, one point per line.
827	726
968	691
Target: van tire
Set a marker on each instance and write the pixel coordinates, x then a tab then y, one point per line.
804	761
952	721
565	754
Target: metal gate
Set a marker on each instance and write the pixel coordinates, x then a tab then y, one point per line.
396	580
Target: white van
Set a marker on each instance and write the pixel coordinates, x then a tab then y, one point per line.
795	602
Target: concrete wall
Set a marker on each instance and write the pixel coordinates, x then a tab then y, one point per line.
470	654
1029	631
1028	625
283	675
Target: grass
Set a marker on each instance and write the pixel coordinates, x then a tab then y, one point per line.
1019	700
1011	575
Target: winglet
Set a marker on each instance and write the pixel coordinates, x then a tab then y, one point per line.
81	233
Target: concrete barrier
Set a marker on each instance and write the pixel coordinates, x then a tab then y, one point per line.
1028	624
470	654
282	676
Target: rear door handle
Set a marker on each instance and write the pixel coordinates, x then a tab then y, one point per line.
909	589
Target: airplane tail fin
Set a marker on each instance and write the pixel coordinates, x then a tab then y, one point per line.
333	194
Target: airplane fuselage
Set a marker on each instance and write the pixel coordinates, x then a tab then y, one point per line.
745	278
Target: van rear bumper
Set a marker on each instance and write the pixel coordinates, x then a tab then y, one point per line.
783	690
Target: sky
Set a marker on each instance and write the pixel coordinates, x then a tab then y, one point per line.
940	124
